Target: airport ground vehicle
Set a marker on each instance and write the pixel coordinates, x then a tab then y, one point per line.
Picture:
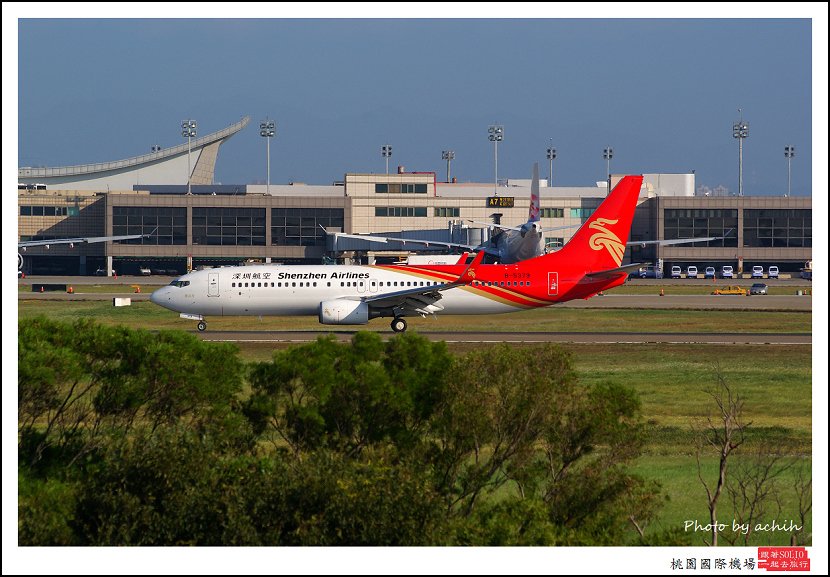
730	290
710	272
757	271
675	272
758	288
650	272
144	271
726	271
772	272
691	272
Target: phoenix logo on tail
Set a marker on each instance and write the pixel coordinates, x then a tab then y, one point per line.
607	239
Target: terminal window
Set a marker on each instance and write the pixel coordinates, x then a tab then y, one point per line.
164	225
553	213
778	228
682	223
445	211
400	188
582	212
303	226
400	211
47	211
229	226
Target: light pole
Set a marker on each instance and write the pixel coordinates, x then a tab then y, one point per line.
608	154
496	135
448	155
789	152
386	152
551	156
740	130
188	131
267	130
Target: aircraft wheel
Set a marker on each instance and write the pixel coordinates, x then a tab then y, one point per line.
201	326
399	325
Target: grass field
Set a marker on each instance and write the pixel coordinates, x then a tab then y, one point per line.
147	315
670	379
687	498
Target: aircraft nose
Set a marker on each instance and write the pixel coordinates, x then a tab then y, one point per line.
161	296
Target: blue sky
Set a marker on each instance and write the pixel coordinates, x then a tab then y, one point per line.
663	93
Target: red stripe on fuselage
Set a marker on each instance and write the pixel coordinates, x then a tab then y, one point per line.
526	296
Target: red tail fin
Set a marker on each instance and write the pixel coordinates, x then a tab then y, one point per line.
600	241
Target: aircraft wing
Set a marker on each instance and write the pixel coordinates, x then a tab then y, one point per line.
80	240
386	239
419	298
678	240
427	243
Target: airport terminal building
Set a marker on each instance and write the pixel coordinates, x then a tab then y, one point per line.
216	225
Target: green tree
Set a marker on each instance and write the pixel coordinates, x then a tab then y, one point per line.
350	396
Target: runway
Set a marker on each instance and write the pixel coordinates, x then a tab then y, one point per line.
521	337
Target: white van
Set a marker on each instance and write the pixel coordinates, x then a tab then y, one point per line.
773	272
757	272
726	272
691	272
675	272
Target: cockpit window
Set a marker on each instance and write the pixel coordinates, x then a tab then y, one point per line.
180	283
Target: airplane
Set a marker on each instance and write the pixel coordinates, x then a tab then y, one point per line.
25	244
517	243
589	263
512	244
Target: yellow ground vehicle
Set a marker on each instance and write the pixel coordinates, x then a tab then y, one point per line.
730	290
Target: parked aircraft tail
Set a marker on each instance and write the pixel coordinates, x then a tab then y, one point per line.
535	205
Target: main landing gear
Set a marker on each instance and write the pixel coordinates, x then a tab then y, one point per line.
398	324
201	326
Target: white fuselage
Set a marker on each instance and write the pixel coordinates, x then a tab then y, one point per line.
298	290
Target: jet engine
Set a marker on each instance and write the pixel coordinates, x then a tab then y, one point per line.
343	312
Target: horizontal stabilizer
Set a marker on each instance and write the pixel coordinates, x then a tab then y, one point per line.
613	272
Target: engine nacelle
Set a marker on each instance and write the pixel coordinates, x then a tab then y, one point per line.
343	312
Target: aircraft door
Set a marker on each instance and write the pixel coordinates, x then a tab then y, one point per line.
361	286
213	284
373	285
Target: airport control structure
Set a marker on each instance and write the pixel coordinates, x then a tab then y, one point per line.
217	225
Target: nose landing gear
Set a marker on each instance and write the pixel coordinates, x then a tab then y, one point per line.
201	326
